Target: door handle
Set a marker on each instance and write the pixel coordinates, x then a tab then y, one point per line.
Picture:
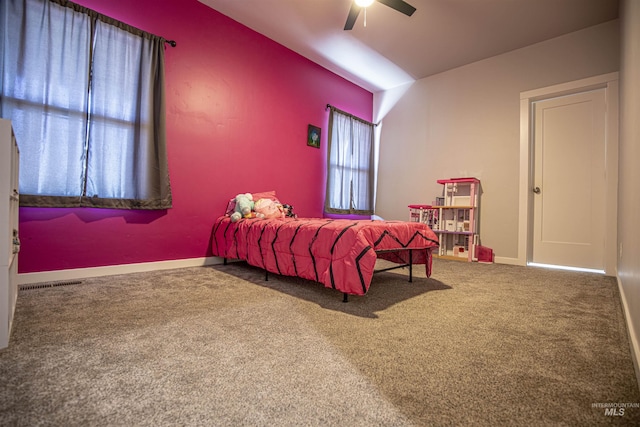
536	190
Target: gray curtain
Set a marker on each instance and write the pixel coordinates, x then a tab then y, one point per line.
350	174
85	94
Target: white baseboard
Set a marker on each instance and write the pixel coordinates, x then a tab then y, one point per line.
83	273
505	260
633	335
111	270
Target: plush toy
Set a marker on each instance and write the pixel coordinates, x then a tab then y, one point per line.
244	207
267	208
288	211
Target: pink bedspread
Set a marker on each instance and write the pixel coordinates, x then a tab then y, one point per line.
341	254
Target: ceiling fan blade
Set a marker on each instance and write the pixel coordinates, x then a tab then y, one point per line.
399	5
353	15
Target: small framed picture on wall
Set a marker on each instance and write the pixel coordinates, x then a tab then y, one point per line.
313	136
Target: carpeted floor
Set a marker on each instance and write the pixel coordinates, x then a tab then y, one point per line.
475	344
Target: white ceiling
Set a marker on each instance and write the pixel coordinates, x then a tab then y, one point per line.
394	49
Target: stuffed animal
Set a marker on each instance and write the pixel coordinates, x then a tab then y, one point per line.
244	207
288	211
267	208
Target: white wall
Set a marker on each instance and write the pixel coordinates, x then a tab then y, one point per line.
466	122
629	172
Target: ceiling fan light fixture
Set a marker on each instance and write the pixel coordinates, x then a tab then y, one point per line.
358	5
364	3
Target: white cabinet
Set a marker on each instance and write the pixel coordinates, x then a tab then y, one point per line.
9	240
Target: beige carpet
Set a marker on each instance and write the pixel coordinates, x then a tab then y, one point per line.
218	346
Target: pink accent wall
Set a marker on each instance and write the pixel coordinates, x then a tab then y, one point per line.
238	107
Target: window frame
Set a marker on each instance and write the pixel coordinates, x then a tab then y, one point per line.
351	152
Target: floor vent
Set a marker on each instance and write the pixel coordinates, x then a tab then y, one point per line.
48	285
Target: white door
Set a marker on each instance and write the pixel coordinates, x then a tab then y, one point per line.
569	180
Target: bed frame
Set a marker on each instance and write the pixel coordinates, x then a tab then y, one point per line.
345	296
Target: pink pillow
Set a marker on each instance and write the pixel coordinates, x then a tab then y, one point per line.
271	195
231	207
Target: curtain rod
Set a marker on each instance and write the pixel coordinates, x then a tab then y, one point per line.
107	19
329	106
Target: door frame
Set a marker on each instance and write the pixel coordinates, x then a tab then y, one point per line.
525	204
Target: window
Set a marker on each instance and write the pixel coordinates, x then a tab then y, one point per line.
350	177
85	94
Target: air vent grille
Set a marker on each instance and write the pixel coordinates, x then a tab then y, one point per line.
49	285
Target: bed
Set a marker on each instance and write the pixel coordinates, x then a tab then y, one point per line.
340	254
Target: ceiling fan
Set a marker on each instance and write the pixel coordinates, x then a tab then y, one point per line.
357	5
